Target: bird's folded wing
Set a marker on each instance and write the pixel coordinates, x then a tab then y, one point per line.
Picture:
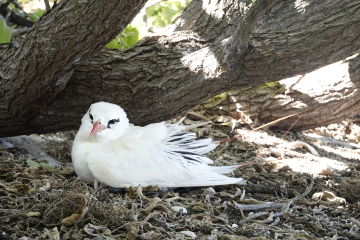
158	154
117	173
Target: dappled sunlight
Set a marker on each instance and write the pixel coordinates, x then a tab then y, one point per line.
301	5
342	152
237	166
212	8
317	83
310	164
299	156
156	15
210	66
31	6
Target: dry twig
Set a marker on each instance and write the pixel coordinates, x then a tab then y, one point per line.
284	206
259	207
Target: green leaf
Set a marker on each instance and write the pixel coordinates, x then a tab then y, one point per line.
158	15
168	13
164	13
36	14
127	39
5	32
130	36
114	44
32	163
214	101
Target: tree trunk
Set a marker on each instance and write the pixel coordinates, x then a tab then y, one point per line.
38	67
223	45
326	95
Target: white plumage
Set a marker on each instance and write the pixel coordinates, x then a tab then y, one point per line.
110	150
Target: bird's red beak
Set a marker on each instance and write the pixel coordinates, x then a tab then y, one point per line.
97	127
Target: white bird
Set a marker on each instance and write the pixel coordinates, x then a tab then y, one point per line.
110	150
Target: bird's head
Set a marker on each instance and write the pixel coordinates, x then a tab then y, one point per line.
104	121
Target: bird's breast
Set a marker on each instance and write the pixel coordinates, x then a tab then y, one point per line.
79	154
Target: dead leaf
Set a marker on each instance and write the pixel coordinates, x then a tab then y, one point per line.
33	214
71	219
329	197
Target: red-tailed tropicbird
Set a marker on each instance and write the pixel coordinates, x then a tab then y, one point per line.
110	150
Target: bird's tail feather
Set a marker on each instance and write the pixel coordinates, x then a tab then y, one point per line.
224	169
207	182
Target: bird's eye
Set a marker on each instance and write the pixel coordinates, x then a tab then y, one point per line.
112	121
91	117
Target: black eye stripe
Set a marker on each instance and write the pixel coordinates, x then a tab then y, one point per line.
91	117
112	121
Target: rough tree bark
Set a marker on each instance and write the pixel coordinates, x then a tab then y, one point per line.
35	69
222	45
326	95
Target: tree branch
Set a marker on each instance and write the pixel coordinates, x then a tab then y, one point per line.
35	70
13	17
165	75
239	44
47	5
